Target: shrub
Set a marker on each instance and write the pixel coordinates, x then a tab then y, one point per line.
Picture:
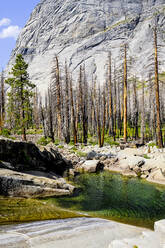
44	141
60	146
151	144
5	132
81	154
74	148
57	142
145	156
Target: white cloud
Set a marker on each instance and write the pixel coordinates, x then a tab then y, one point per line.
10	32
5	22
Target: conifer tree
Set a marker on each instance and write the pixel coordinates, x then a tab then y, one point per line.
20	95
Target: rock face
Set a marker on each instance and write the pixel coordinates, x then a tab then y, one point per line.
26	171
18	184
24	156
85	31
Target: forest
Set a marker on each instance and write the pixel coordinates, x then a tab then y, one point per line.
123	108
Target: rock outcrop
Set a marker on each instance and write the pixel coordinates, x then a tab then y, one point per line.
18	184
85	31
23	156
27	171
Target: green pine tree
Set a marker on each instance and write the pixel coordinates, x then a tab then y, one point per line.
19	104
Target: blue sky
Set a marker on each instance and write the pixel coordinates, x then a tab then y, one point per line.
13	16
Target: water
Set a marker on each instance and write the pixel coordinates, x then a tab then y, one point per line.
106	195
112	196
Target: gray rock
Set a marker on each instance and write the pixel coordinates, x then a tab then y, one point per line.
85	31
92	166
159	228
91	155
18	184
24	156
157	176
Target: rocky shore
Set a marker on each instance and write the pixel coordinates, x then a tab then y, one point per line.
81	232
145	162
27	170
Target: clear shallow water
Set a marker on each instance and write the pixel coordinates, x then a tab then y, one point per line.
106	195
112	196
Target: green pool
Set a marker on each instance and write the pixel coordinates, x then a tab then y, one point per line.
106	195
112	196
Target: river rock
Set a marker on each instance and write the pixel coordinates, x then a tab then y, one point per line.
91	155
92	166
146	240
127	152
18	184
24	156
157	176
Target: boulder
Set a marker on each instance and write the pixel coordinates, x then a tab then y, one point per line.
135	161
130	152
24	156
92	166
157	176
17	184
159	228
91	155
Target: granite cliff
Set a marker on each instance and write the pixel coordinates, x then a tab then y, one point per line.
85	31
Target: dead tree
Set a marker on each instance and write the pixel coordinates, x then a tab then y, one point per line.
56	94
98	116
73	112
142	115
111	124
50	115
104	120
125	93
158	119
2	103
135	109
66	107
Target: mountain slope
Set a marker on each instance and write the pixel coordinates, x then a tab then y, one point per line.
86	31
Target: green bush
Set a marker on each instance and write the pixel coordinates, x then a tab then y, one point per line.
81	154
108	140
145	156
5	132
57	142
44	141
74	148
151	144
60	146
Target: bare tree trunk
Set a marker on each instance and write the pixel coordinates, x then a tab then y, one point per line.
73	113
158	129
98	117
2	103
142	115
104	114
85	109
110	96
66	114
58	98
115	103
135	110
125	93
42	119
51	131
